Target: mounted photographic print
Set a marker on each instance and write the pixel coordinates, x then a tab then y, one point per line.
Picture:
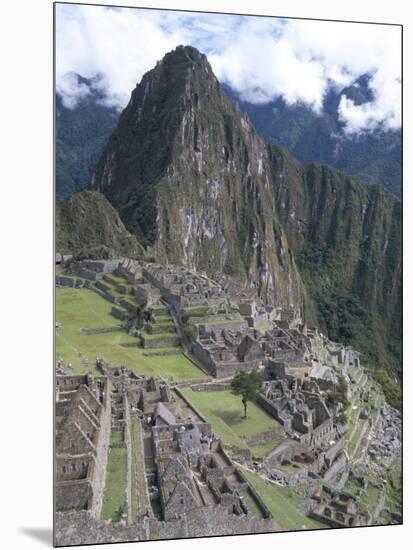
228	274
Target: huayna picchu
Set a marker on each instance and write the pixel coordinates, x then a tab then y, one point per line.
190	177
235	348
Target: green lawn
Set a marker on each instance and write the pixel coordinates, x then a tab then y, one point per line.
116	436
225	410
115	486
260	451
283	504
83	308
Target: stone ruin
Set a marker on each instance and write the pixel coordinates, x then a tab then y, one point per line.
337	508
194	472
301	412
224	353
181	287
83	406
189	473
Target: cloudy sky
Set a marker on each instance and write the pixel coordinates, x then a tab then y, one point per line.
261	58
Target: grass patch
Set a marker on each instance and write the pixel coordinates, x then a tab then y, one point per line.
224	411
162	319
251	503
116	437
118	279
283	504
83	308
261	450
263	325
114	495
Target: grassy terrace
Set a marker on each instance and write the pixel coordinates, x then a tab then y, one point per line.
159	336
115	486
118	279
224	411
83	308
283	503
163	319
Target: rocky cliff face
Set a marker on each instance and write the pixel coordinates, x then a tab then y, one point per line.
345	236
190	176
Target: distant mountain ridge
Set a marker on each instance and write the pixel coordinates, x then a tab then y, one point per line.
81	134
374	156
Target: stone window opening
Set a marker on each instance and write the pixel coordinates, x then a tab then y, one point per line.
74	467
64	469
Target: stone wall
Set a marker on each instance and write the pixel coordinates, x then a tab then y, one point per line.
270	408
210	521
337	468
262	437
76	528
72	282
240	325
211	387
232	368
258	500
128	443
204	357
164	342
102	330
74	494
101	454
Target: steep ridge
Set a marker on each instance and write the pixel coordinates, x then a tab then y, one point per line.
345	236
190	176
88	225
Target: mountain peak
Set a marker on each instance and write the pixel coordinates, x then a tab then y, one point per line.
177	70
186	53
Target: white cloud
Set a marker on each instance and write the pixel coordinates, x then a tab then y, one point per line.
261	58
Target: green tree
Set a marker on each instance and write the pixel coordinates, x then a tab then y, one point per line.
247	385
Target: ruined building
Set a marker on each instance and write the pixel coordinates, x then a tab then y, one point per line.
83	422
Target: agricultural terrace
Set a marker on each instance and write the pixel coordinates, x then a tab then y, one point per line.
83	308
